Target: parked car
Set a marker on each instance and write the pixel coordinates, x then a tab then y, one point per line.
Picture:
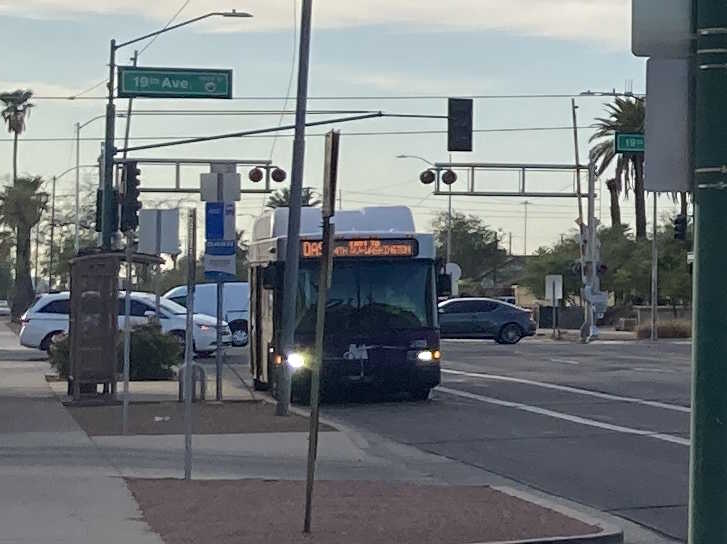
4	308
485	318
49	316
235	304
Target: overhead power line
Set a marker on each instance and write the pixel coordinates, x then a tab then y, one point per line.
319	134
534	96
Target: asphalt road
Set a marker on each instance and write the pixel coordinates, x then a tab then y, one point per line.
605	424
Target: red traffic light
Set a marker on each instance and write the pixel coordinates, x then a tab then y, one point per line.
255	175
427	177
278	175
449	177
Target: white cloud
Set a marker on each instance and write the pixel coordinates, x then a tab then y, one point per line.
601	21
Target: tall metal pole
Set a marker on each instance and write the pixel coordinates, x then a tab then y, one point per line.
525	228
292	252
708	491
220	295
127	128
77	227
654	276
189	341
590	258
52	234
109	151
37	252
127	331
449	226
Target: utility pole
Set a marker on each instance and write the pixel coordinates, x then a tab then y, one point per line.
654	276
509	244
292	250
108	156
708	486
77	228
525	228
52	234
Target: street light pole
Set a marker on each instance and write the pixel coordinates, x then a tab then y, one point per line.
292	251
52	233
109	147
109	151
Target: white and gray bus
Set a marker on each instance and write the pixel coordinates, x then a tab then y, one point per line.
381	317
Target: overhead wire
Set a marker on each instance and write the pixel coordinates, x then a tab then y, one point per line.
290	76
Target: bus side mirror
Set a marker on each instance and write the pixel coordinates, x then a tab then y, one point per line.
444	285
269	277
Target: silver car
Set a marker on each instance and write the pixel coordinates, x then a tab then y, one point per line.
485	318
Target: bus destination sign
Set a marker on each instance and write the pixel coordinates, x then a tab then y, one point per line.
373	247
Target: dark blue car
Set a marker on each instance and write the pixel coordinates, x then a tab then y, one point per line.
485	318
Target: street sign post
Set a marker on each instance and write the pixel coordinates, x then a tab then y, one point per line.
629	142
148	82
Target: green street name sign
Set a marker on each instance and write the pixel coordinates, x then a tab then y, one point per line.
174	83
629	142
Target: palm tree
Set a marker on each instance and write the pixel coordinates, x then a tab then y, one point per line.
21	206
624	115
17	109
281	198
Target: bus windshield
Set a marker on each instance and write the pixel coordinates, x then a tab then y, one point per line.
368	297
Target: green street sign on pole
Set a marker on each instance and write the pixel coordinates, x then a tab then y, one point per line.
174	83
629	142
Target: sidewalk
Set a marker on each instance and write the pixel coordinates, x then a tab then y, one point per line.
65	476
55	486
604	335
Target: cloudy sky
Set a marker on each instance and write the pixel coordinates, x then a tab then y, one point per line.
399	56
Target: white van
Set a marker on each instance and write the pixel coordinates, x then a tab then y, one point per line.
235	304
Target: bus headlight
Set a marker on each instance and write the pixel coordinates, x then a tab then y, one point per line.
296	360
429	356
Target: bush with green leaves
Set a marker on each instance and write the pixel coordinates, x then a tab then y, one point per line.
152	354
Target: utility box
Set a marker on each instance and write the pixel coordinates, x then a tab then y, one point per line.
94	322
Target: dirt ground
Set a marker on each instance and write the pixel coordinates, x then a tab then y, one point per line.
271	512
168	418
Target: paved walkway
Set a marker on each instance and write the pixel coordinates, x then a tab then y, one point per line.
55	484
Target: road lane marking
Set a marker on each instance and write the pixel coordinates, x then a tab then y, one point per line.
657	370
564	361
568	389
566	417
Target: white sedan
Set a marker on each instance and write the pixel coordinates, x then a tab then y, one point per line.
49	316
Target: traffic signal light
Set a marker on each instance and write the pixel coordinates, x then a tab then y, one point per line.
680	227
130	204
114	210
459	130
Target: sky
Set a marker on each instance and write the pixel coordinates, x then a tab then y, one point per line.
396	56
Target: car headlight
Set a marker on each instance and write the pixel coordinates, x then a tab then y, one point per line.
296	360
429	356
205	328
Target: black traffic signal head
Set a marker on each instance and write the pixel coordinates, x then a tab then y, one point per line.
680	227
130	204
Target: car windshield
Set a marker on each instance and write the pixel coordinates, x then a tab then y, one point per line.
171	307
368	297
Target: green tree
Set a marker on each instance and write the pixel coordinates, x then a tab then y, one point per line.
475	246
21	206
563	259
281	198
16	111
624	115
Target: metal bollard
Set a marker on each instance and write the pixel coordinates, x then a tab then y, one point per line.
198	375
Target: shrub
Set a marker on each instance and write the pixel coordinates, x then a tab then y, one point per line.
152	354
667	329
60	354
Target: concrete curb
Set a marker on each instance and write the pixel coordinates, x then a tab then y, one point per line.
609	534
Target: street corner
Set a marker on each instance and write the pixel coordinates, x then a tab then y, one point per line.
364	512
